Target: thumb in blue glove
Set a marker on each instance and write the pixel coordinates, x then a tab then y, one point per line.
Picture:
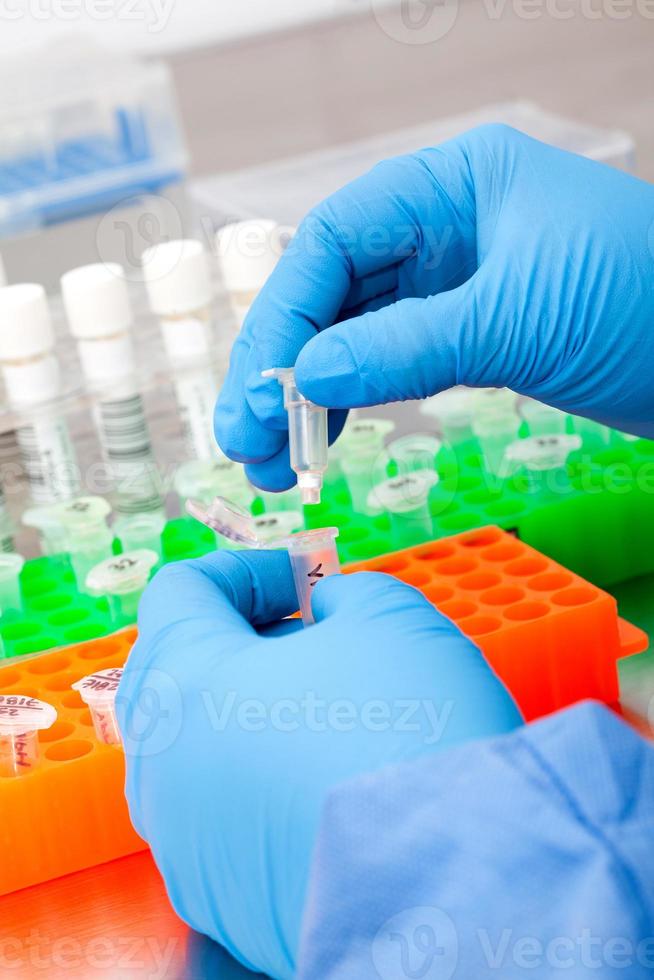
237	727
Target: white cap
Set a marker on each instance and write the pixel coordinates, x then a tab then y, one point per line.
177	277
248	251
96	300
25	324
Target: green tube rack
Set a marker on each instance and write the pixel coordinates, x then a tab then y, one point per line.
598	521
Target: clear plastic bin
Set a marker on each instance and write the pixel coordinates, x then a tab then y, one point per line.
81	129
286	189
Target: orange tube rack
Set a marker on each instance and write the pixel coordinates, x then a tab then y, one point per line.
549	635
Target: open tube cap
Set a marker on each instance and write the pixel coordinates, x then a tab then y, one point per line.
122	574
544	452
20	713
402	494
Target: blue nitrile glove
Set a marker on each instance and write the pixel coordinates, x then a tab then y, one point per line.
490	260
234	738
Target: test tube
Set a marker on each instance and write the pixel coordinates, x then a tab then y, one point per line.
544	459
98	692
21	719
87	537
405	499
10	569
307	436
139	531
495	432
122	579
453	410
32	380
543	420
100	318
414	452
313	557
363	457
180	292
247	252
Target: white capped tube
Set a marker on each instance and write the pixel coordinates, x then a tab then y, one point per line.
313	557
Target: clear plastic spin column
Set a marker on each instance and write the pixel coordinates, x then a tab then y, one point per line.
307	436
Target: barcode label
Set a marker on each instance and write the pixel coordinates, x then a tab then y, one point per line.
126	443
48	460
6	536
196	396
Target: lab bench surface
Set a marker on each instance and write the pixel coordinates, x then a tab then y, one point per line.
113	921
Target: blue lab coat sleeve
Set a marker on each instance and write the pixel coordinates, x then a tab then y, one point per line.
526	855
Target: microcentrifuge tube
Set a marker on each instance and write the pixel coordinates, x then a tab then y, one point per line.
52	533
414	452
363	457
307	436
495	432
313	557
205	479
122	579
453	411
405	499
541	419
99	314
10	569
138	531
21	719
98	692
543	456
32	380
180	291
87	538
496	401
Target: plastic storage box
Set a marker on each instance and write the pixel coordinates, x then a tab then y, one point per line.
286	189
80	130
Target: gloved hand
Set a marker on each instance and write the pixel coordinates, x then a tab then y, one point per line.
492	260
235	731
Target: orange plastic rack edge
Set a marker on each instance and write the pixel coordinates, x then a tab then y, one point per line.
552	638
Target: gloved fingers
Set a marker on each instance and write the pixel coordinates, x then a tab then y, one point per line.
223	595
275	473
412	349
369	306
239	433
377	284
367	594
